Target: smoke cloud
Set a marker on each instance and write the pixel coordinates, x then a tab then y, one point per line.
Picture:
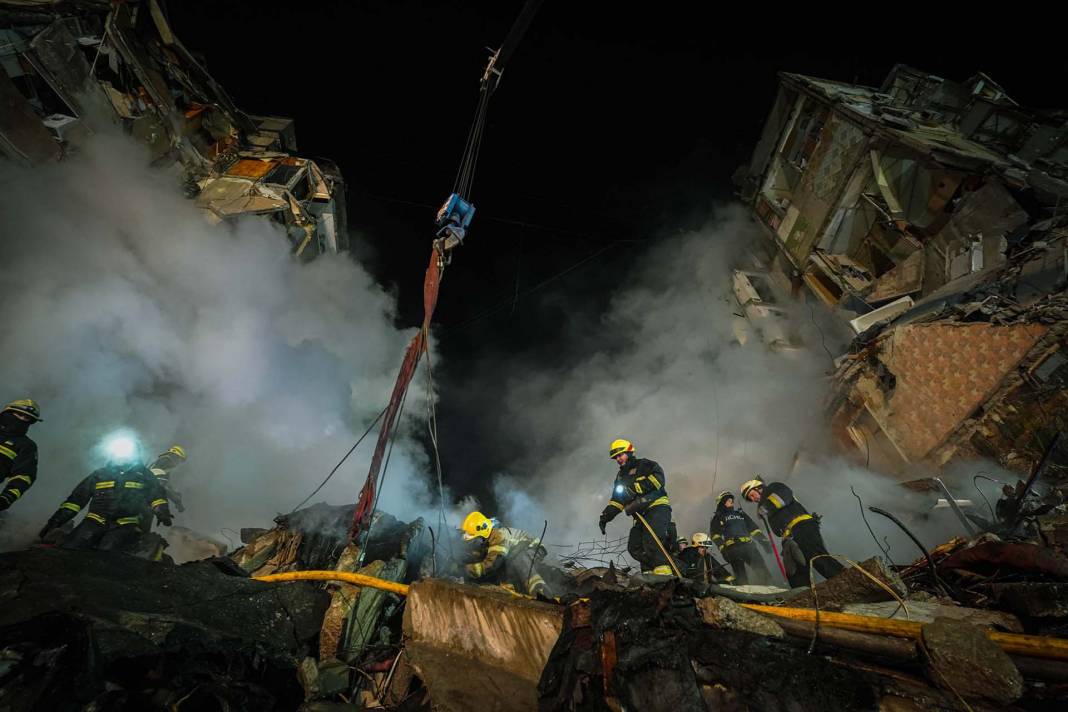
662	367
124	308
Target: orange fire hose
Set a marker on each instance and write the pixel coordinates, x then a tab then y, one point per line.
401	589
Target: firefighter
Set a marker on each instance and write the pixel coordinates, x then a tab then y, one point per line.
505	556
640	491
737	536
115	495
18	453
791	522
162	468
697	562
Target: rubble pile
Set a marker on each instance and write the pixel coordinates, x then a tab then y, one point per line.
103	630
982	626
670	646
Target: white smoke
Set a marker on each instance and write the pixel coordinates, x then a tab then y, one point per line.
124	308
662	368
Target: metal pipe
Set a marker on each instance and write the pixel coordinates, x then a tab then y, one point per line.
1034	646
956	509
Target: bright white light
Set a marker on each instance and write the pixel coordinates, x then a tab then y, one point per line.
619	489
121	447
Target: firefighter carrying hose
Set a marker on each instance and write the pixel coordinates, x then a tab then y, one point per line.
505	555
115	495
737	535
18	453
792	523
640	491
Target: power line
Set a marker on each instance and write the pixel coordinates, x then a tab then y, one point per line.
515	299
339	464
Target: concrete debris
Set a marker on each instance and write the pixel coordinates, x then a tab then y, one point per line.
852	586
963	660
724	614
101	630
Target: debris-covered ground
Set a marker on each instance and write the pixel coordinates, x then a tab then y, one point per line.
317	614
96	630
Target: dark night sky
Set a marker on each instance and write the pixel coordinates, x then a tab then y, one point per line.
610	126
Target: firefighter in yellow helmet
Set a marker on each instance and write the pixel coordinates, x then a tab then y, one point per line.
505	555
640	491
18	453
161	468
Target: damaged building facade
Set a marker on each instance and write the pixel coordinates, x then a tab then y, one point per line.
69	71
931	215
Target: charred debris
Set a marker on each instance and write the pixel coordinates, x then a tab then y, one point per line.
927	212
977	622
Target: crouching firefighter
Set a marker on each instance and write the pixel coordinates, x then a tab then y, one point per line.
737	536
116	495
505	556
699	565
640	491
792	523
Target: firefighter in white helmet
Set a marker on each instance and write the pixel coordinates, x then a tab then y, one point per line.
698	564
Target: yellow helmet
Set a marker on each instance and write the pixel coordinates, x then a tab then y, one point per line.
26	406
620	446
700	539
751	485
476	524
178	450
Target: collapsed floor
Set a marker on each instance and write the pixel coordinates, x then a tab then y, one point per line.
100	631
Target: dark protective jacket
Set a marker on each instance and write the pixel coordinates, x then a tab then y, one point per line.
731	526
118	496
18	462
783	512
162	468
640	485
699	565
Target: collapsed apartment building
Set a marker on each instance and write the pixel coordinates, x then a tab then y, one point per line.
69	68
931	215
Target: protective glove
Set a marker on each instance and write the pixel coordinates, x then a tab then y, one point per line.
164	518
602	522
46	529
